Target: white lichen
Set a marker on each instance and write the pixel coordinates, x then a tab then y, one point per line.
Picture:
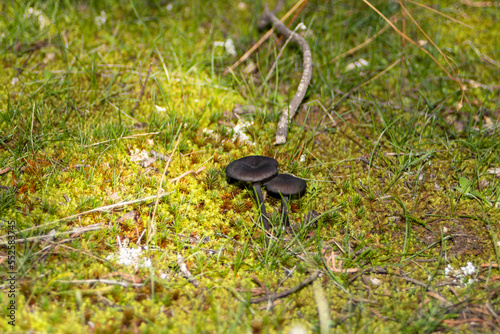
139	155
238	131
462	275
130	257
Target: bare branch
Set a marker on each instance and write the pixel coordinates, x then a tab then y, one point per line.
184	270
289	111
52	234
102	281
288	292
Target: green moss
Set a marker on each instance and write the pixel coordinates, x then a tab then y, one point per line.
384	205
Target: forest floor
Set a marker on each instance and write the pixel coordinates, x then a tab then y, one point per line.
118	120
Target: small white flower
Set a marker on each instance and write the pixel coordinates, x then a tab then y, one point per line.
302	158
469	270
357	64
43	21
14	81
160	109
169	7
101	19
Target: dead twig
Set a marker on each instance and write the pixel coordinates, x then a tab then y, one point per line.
288	292
289	111
51	235
262	285
289	24
262	40
472	83
184	270
273	66
480	3
101	208
120	138
102	281
430	291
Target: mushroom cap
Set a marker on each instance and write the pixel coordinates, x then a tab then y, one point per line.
254	168
286	185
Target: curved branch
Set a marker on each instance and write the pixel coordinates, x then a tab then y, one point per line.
289	112
288	292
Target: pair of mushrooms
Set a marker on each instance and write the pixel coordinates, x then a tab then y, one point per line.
259	170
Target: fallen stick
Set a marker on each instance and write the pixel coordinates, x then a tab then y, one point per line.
102	281
75	230
289	111
262	40
101	208
288	292
120	138
184	270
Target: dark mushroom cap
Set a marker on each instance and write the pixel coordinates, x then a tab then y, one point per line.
286	185
254	168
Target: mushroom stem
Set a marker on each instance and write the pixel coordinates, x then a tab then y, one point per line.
284	211
260	204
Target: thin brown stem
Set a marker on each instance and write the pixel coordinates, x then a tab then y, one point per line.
288	292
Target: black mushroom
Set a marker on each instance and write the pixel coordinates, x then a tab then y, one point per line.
254	169
284	186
